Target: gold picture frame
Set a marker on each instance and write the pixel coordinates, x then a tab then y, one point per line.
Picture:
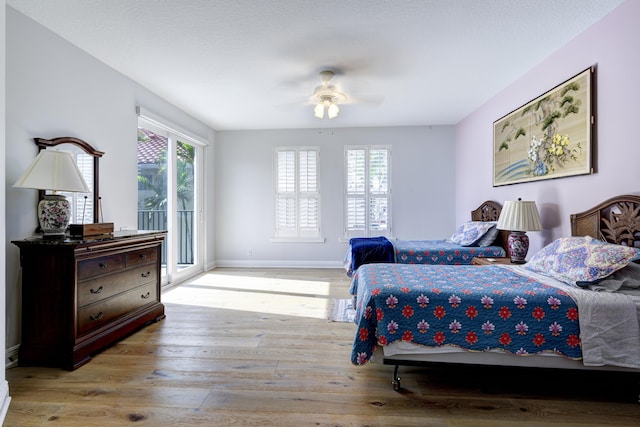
549	137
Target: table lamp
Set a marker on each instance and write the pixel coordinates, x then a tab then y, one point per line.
518	217
55	171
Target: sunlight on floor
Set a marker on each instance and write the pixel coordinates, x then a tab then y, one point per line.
290	297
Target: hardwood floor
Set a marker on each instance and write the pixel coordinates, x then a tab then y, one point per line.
247	347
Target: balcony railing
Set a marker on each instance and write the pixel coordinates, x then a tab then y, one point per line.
157	220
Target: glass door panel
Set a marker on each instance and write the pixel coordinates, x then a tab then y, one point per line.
152	187
186	223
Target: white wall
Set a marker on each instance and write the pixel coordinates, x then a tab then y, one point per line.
422	190
4	387
55	89
611	44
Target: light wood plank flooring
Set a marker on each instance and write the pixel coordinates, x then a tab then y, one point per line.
248	347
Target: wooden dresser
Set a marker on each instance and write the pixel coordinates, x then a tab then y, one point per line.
81	296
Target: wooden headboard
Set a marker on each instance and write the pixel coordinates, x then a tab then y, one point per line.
616	220
490	211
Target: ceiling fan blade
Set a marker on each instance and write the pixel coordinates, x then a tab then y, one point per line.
365	100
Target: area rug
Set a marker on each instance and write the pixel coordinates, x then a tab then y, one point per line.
343	310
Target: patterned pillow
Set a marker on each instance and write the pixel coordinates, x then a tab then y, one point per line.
470	232
580	259
488	238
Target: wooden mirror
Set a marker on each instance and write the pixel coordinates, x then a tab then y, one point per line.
87	158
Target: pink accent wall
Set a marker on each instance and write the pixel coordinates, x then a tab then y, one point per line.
613	45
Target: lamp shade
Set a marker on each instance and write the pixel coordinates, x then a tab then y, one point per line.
332	110
318	110
328	104
519	215
53	170
57	171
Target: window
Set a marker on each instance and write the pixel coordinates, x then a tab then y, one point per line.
297	193
367	210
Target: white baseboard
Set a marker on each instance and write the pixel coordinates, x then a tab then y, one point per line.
277	264
5	400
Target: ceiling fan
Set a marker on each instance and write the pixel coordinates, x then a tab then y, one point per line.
326	97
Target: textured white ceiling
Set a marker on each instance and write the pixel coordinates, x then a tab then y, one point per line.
252	64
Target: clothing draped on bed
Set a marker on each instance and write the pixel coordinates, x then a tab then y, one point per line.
367	250
470	307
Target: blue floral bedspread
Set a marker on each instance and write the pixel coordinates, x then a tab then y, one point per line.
415	252
441	252
477	308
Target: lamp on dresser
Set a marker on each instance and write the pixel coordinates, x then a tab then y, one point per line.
55	171
518	217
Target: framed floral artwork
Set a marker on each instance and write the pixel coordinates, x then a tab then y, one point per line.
549	137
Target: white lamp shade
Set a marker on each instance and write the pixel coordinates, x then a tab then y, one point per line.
330	106
519	215
318	110
332	110
53	170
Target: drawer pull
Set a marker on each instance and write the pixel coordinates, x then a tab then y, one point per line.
102	265
142	256
95	317
147	274
97	291
145	296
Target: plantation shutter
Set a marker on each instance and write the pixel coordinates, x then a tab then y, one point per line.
308	210
378	189
356	194
81	208
367	191
297	193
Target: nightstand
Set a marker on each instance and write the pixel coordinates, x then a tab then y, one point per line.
491	261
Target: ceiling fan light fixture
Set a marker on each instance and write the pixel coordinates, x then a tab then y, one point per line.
332	110
327	97
329	105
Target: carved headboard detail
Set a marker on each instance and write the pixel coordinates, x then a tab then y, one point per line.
490	211
616	220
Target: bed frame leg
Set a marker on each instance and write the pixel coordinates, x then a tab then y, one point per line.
395	382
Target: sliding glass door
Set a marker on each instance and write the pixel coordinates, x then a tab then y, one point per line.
168	198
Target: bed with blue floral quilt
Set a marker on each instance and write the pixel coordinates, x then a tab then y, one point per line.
468	307
476	238
574	305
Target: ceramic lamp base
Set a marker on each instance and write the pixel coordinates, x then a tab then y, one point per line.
54	212
518	246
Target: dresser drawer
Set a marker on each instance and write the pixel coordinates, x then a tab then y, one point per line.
95	315
93	290
98	266
142	256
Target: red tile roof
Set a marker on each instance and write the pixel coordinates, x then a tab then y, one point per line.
151	147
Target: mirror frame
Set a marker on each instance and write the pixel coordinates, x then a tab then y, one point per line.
43	144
